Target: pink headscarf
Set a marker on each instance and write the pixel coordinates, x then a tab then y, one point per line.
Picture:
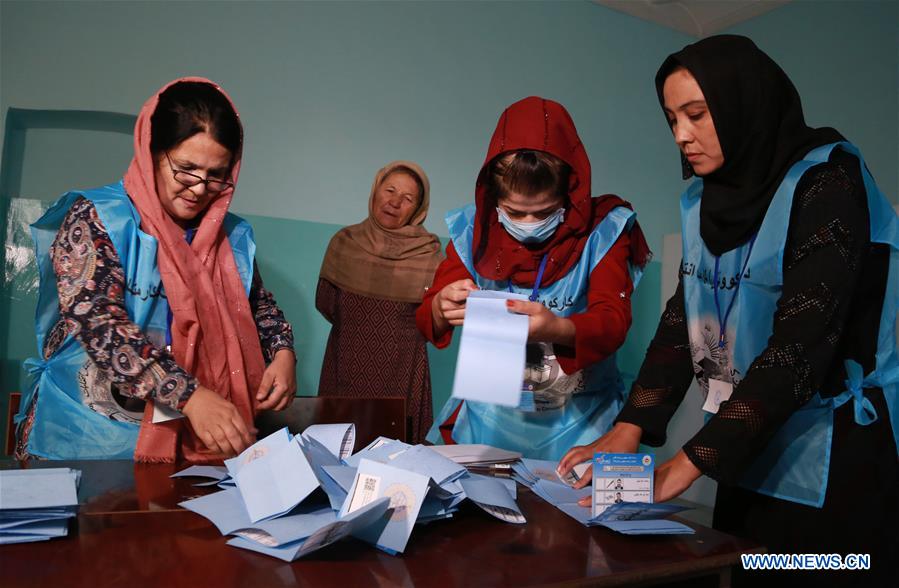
214	335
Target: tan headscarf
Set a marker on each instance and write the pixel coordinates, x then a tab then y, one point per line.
392	264
214	336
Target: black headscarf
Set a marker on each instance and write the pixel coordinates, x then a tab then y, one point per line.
761	129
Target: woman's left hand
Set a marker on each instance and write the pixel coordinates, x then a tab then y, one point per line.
674	477
543	325
279	382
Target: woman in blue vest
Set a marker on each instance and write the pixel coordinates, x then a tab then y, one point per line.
535	229
151	307
785	314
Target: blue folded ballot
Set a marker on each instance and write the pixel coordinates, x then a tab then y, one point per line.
275	482
372	517
218	474
381	450
338	439
492	496
378	495
632	518
406	491
629	518
36	504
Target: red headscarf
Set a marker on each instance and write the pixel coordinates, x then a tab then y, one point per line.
543	125
214	335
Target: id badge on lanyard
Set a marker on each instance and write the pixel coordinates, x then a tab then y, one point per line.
721	390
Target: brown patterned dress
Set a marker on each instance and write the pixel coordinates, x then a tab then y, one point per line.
375	351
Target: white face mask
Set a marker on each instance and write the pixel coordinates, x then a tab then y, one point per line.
536	232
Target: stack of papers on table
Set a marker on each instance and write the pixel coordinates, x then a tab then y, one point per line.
629	518
36	504
294	495
476	455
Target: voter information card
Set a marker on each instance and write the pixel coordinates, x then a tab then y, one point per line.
621	477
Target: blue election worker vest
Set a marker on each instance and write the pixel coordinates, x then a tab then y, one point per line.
79	413
795	464
589	400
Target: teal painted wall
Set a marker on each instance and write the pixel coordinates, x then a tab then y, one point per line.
330	91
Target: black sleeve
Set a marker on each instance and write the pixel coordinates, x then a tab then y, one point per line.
826	244
664	377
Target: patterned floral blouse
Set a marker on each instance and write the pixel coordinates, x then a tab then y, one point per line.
91	285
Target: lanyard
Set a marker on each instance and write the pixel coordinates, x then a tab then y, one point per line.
536	290
189	237
722	322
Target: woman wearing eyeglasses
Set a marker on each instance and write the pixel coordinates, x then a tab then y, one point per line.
157	337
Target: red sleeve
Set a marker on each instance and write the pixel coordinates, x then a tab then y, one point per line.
450	270
601	330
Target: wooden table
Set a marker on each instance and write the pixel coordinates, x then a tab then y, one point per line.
131	533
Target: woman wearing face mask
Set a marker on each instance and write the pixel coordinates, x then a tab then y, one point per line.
535	229
151	307
372	279
785	314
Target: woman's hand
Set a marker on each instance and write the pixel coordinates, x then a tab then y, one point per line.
674	476
217	422
448	306
279	382
543	324
623	438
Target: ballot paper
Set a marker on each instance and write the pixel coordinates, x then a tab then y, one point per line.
381	450
493	497
319	458
261	448
406	491
642	519
424	460
476	454
218	474
621	477
528	471
372	517
275	482
36	504
339	439
491	360
224	509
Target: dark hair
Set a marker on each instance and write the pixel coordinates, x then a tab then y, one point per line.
188	108
526	172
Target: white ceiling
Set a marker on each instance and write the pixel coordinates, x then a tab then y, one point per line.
699	18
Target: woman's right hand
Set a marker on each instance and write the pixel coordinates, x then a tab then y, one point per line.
217	422
623	438
448	306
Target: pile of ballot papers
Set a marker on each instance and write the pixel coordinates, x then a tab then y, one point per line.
629	518
287	496
36	504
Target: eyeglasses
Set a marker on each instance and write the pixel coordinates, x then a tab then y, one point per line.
190	180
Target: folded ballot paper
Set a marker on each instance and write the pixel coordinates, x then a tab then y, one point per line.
292	495
628	518
36	504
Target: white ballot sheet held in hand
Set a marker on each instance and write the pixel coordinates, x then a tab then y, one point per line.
490	367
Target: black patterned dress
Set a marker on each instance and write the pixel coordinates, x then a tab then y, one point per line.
834	281
375	351
125	367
